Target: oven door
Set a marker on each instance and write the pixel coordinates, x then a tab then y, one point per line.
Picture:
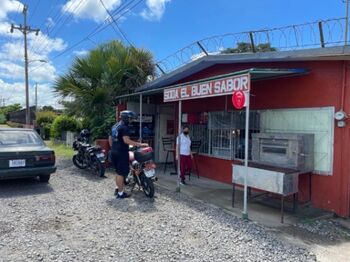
275	151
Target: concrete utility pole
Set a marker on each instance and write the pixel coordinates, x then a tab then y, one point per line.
36	97
26	30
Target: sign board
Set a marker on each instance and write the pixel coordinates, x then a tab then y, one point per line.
239	99
209	88
145	119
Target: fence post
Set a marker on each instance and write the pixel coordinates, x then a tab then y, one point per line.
202	48
160	69
251	36
321	34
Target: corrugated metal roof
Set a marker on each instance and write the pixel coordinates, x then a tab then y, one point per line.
255	74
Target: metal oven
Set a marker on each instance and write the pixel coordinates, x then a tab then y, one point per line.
284	150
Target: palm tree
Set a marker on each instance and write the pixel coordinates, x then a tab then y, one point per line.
93	81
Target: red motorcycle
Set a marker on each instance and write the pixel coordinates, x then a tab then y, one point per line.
142	170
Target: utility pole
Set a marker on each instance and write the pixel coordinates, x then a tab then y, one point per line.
36	97
346	22
26	30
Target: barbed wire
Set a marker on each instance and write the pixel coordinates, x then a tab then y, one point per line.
322	33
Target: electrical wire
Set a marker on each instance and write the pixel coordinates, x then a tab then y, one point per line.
32	14
96	30
116	24
69	17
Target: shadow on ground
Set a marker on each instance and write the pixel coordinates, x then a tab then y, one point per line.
23	187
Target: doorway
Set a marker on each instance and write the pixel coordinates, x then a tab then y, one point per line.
165	128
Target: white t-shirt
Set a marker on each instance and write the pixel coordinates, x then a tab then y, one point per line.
185	146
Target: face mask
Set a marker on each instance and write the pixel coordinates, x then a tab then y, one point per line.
186	132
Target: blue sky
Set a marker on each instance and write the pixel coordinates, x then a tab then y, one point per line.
161	26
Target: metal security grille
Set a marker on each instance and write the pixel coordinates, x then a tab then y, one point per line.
227	131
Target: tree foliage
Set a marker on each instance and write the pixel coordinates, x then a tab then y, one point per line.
92	82
45	119
64	123
5	110
243	47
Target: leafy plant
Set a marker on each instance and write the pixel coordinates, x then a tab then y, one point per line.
9	109
45	119
93	82
2	119
64	123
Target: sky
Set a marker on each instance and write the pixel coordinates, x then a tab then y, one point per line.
161	26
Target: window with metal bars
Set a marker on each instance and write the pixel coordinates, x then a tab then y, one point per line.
223	135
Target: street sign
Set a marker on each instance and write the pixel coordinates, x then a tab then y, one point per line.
238	99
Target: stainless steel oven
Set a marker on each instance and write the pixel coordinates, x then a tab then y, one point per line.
287	150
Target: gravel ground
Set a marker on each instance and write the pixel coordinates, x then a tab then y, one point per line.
330	229
77	218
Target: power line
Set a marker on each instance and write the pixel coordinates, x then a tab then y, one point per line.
32	14
116	24
42	24
62	24
96	30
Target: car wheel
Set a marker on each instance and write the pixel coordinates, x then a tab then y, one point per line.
44	178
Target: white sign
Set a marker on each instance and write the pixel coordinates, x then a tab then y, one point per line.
214	87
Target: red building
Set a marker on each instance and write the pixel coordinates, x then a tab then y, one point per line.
291	91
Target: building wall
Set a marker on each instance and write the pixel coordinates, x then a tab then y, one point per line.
322	87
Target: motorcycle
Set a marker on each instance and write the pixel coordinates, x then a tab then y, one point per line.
142	170
88	156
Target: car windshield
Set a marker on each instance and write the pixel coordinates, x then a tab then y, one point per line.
19	138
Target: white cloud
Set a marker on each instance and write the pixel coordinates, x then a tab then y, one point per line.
82	52
155	9
12	60
90	9
9	6
15	93
49	23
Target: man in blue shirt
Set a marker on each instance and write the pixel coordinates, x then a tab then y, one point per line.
120	141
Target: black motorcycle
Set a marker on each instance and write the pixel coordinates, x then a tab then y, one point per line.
88	156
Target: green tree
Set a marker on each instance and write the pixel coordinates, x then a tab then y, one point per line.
48	108
243	47
93	81
64	123
5	110
45	119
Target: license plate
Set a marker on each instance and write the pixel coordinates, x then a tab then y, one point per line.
149	173
17	163
101	155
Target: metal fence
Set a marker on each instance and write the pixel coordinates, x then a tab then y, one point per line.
322	34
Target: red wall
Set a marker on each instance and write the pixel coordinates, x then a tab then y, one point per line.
322	87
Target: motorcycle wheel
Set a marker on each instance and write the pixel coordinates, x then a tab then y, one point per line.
97	167
78	163
147	186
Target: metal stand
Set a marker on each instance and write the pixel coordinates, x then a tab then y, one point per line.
295	200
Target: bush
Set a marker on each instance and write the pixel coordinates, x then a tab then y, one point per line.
63	123
101	127
2	119
45	119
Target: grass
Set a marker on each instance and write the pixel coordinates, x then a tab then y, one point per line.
4	126
61	150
